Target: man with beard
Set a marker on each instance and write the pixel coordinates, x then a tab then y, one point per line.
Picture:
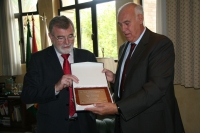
45	82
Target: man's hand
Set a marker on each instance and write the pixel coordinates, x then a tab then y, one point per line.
109	75
103	108
65	81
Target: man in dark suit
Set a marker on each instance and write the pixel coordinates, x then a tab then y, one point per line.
144	100
45	82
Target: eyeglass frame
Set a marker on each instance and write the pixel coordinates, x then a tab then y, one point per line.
69	37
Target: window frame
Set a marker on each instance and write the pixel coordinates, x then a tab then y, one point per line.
19	16
77	7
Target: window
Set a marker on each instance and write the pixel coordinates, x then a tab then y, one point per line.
95	22
22	10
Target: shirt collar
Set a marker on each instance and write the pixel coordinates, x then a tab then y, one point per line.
70	58
138	40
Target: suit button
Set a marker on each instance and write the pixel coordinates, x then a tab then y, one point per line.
67	104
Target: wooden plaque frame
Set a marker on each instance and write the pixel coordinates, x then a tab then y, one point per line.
91	95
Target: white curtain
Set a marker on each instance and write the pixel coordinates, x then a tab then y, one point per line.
183	24
179	20
9	41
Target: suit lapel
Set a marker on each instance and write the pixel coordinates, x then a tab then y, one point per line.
76	56
122	53
138	51
121	57
53	61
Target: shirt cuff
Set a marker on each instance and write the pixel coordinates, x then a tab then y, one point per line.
56	92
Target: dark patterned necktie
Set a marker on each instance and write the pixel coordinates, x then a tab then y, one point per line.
125	68
67	70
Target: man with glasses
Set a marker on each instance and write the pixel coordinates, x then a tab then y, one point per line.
46	84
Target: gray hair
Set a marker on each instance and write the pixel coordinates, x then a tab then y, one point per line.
61	22
138	8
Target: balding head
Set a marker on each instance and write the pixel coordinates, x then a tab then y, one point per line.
130	20
132	7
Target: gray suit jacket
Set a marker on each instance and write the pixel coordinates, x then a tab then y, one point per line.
148	104
43	73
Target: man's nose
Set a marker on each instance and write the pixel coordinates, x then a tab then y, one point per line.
123	28
66	40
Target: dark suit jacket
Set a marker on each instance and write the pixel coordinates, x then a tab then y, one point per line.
148	104
39	87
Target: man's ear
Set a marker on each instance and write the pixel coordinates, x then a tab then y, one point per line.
141	18
51	37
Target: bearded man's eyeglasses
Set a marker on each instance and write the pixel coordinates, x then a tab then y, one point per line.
63	38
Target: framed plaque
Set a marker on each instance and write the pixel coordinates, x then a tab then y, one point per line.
92	87
87	96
